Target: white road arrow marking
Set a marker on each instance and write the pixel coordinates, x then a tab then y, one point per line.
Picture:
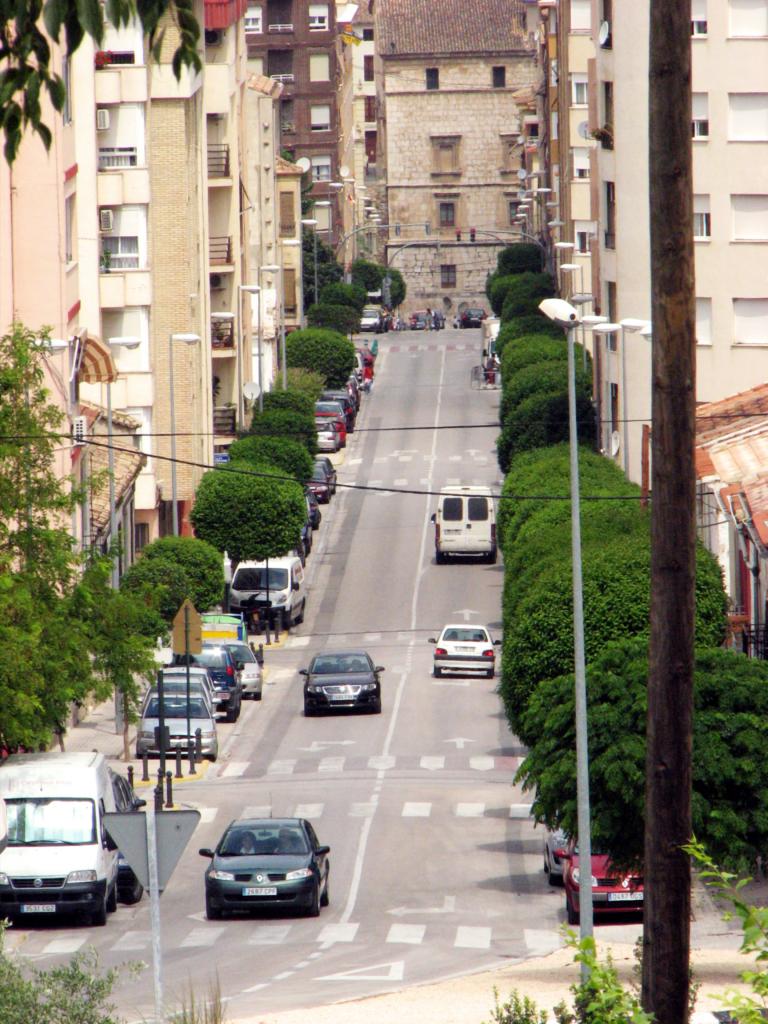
467	613
448	907
320	745
460	741
387	972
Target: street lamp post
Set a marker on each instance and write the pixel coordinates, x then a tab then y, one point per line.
254	289
608	330
188	339
567	317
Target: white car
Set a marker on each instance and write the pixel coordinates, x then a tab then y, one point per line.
327	439
250	672
464	648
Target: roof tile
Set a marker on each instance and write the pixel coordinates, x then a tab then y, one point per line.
449	27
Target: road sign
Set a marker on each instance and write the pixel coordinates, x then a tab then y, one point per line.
187	630
129	831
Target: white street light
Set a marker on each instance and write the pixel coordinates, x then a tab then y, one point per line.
187	339
555	224
567	317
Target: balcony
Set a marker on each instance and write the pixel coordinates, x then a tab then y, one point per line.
280	27
285	79
224	420
220	251
287	128
222	334
609	239
117	156
218	160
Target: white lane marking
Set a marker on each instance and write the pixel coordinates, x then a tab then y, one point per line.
372	636
470	810
401	481
342	932
234	768
267	935
207	814
540	942
282	767
412	934
279	675
404	458
363	810
520	810
381	762
416	810
296	641
68	944
472	938
432	764
331	764
257	988
132	941
201	937
282	976
387	972
311	811
482	764
257	811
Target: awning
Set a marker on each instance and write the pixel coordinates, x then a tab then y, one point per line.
93	361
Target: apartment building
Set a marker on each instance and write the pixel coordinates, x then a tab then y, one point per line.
454	140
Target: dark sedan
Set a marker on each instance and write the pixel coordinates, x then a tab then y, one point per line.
342	679
267	862
315	515
472	317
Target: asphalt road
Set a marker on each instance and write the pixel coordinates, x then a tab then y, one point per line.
435	865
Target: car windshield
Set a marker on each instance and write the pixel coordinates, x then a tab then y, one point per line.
56	822
241	652
209	657
328	407
260	579
333	664
474	312
476	636
175	708
319	475
263	840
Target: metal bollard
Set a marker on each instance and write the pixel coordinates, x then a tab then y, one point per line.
145	768
198	745
158	798
169	789
259	652
130	776
178	763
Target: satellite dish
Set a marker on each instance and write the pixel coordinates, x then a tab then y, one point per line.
521	175
304	164
251	390
583	130
344	171
604	34
615	442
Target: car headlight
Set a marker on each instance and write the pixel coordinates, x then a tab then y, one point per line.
576	876
315	689
4	878
368	686
298	873
81	876
281	598
222	876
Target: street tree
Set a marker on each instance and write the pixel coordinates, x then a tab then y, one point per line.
249	511
161	584
286	423
201	563
329	270
340	294
367	274
308	382
342	318
287	456
290	398
325	351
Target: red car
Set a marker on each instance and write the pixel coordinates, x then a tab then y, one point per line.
613	891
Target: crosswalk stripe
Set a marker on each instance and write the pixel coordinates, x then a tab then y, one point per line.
256	811
201	937
382	762
416	810
482	764
284	767
401	481
432	764
362	810
338	933
520	810
269	935
472	938
311	811
297	641
412	934
234	768
132	941
470	810
68	944
207	814
540	942
331	764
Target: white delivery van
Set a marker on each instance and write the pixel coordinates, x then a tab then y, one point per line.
277	585
465	523
59	859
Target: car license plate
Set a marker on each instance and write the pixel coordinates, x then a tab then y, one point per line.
465	650
339	696
622	897
260	891
38	908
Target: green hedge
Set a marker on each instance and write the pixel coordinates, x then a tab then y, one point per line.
295	400
525	294
325	351
522	326
344	319
542	420
286	423
340	294
164	583
200	562
532	349
519	258
535	378
288	456
497	290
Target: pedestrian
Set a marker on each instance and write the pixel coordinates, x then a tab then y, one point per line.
428	320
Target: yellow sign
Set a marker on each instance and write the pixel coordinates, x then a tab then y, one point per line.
350	37
187	630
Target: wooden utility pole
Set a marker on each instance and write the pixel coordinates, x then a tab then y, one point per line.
666	931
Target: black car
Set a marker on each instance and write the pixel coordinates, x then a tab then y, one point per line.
267	862
330	469
472	317
313	509
129	888
342	679
347	401
223	671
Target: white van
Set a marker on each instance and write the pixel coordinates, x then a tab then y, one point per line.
465	523
59	859
278	583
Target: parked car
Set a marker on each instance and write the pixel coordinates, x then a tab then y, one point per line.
275	863
333	412
328	435
464	648
472	317
420	321
176	676
129	888
330	469
276	588
250	669
613	891
315	515
176	686
353	387
319	485
176	715
370	318
347	403
342	679
555	845
226	679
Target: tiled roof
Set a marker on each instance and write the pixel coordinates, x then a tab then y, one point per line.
434	27
732	414
283	166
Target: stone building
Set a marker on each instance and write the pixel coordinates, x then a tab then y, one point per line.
452	137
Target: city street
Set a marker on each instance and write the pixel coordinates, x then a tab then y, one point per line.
435	864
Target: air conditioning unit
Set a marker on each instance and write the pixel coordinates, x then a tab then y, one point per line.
79	430
214	37
106	221
216	282
102	119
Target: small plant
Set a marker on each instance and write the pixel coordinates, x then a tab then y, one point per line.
209	1011
102	59
106	261
517	1010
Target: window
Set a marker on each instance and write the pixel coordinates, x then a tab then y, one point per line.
287	120
123	251
321	168
289	289
448	275
614	397
66	77
581	15
368	67
320	117
445	155
433	78
698	17
253	19
580	161
703	321
579	90
447	213
318	17
610	215
702	219
750	321
69	229
287	216
582	242
140	536
748	117
322	215
748	18
117	156
367	35
608	103
370	108
700	116
750	218
499	77
512	205
610	290
319	67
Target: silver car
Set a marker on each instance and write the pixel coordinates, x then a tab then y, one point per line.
554	844
176	677
250	669
177	688
200	717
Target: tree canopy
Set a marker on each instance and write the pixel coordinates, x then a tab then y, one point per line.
291	457
200	562
327	352
286	423
342	318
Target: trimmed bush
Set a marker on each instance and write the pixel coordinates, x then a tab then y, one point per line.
340	294
533	348
525	294
285	423
497	290
164	584
326	352
539	377
201	563
296	401
308	382
520	258
344	319
287	456
251	517
535	324
542	420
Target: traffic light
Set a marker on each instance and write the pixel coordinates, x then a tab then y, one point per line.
472	234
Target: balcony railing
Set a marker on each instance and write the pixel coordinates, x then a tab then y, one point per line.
287	127
117	156
286	79
280	26
218	160
220	251
224	420
222	334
